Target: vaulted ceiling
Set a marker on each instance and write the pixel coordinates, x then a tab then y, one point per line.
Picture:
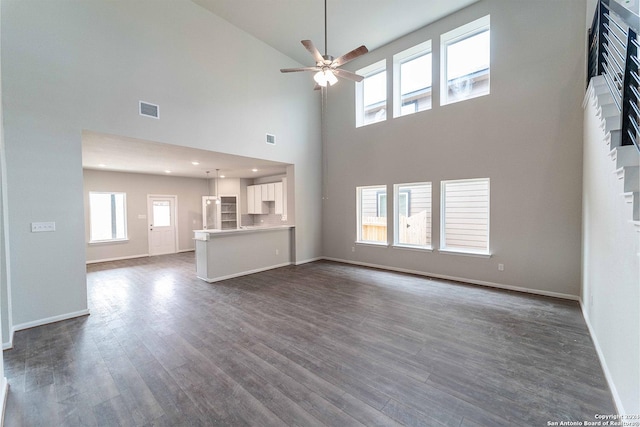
280	24
350	23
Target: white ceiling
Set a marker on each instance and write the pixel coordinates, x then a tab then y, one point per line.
122	154
280	24
350	23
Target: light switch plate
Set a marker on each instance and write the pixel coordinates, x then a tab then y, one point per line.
41	227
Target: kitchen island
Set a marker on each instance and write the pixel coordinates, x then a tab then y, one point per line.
223	254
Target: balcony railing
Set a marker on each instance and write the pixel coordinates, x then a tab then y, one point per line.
613	53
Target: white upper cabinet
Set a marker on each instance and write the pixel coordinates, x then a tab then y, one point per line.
259	195
278	198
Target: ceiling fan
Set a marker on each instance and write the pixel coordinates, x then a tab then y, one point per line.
326	68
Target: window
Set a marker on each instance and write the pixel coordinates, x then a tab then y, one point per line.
465	62
412	80
465	216
107	216
372	214
371	94
412	207
382	204
161	213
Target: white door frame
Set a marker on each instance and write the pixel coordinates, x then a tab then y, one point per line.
150	216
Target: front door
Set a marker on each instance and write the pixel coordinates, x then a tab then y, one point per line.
162	224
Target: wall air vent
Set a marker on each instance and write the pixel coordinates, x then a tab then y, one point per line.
149	110
271	139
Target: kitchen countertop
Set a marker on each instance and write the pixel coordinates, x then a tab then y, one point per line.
247	229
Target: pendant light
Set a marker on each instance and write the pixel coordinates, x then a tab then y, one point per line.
208	189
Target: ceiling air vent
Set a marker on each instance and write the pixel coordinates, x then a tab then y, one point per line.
271	139
149	110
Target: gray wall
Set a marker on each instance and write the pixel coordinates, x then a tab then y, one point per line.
525	136
69	66
137	187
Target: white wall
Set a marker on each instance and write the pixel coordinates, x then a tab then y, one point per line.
70	66
525	136
611	268
137	187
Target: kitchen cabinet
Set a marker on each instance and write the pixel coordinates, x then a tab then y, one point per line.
268	192
259	196
255	202
278	198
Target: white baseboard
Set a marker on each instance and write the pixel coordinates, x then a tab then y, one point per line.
4	393
48	320
95	261
243	273
460	279
603	362
8	345
186	250
306	261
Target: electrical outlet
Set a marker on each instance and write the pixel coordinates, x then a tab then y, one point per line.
500	267
353	248
40	227
277	251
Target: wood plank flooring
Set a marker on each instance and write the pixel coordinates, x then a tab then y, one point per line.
317	344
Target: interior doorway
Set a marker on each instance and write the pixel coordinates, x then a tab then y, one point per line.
163	233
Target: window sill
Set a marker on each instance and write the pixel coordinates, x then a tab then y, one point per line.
413	248
106	242
378	244
465	253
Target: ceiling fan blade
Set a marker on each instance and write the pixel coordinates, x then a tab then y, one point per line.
312	49
317	87
348	75
349	56
294	70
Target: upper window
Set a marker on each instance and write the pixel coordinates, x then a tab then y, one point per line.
412	207
372	214
412	80
465	61
465	216
371	94
107	216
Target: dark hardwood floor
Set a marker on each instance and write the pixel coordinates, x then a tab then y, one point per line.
317	344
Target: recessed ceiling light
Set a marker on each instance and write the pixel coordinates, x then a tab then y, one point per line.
222	176
102	165
167	171
195	163
254	170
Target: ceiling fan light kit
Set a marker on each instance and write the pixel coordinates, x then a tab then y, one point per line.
326	68
325	77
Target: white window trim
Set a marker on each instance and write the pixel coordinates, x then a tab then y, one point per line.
465	253
416	51
406	247
463	32
396	218
359	216
126	226
369	243
366	72
456	251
